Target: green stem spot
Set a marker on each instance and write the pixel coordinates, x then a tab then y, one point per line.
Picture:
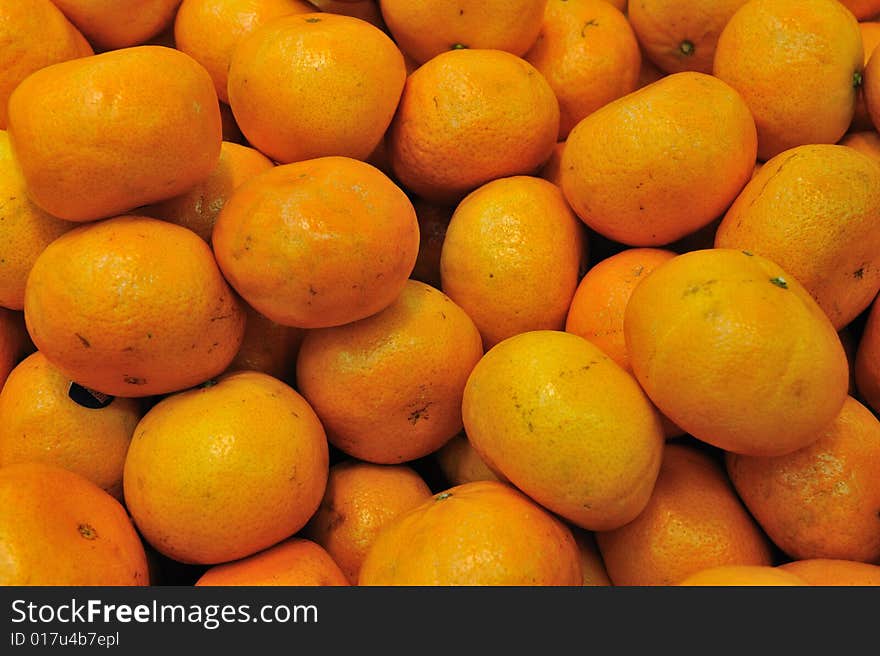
857	80
442	496
779	281
687	48
458	46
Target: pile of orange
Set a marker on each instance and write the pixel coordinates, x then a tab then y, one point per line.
435	292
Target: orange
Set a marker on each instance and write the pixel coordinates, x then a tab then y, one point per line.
870	40
25	229
40	422
552	169
317	243
388	388
648	73
822	500
460	463
734	350
467	117
367	10
798	65
14	342
268	347
433	223
315	85
867	142
597	308
589	54
743	576
113	24
867	361
812	210
862	9
685	141
681	36
592	564
34	34
58	528
834	572
360	500
511	257
198	207
294	562
101	135
693	521
132	306
426	28
223	471
209	30
565	424
478	534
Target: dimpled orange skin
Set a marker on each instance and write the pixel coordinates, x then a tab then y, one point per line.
25	229
218	473
318	243
57	528
681	36
209	30
796	64
686	141
198	207
589	54
460	463
132	306
511	257
268	347
597	308
742	576
834	572
870	39
467	117
143	124
39	422
867	361
736	352
388	388
315	85
813	210
113	24
566	425
360	500
34	34
294	562
427	28
821	501
693	521
478	534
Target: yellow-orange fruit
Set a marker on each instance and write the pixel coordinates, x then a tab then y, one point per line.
734	350
460	463
477	534
693	521
317	243
268	347
813	211
820	501
512	256
870	39
58	528
132	306
294	562
630	168
566	425
101	135
388	388
114	24
592	564
315	85
834	572
426	28
797	65
467	117
223	471
589	55
742	576
41	422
